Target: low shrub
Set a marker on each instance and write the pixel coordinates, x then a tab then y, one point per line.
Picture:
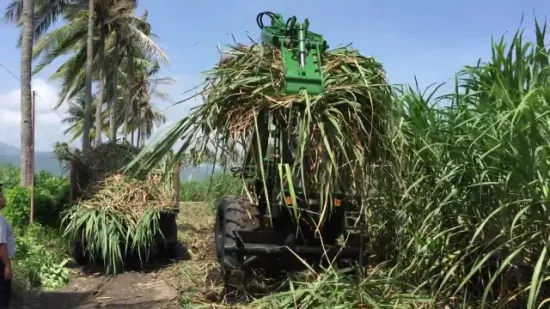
40	259
41	252
51	196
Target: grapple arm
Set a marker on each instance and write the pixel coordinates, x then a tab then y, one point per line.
301	52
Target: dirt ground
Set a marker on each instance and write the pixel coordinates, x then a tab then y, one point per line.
192	280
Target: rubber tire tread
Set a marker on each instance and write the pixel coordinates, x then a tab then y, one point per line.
239	215
78	253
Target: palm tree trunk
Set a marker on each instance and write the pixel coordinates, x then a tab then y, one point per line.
26	110
114	87
141	126
99	106
138	143
143	140
129	87
89	66
113	107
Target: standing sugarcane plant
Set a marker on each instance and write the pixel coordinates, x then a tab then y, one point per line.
467	207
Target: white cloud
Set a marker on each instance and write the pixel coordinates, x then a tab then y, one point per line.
48	128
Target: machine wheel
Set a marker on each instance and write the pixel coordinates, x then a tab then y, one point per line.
233	214
168	241
79	255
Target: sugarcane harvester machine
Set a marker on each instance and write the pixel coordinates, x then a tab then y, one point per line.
279	224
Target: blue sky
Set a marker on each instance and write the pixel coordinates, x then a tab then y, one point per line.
429	39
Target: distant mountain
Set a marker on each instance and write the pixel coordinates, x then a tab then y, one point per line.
45	160
6	149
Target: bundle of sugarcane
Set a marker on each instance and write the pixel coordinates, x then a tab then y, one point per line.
122	216
133	197
97	163
332	136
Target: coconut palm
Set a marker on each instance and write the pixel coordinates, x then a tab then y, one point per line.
119	35
26	110
22	13
75	117
46	13
150	117
88	83
145	115
144	51
117	28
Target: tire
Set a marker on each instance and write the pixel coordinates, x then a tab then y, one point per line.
168	241
79	255
233	214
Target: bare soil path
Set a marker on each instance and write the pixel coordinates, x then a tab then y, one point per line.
127	290
161	287
193	281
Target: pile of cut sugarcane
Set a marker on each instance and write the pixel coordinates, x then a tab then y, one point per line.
130	197
334	135
117	214
121	217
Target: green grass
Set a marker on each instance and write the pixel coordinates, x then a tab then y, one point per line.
209	190
346	289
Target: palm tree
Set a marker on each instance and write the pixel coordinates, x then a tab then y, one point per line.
35	18
75	117
143	49
119	35
88	83
46	13
150	118
121	17
145	115
112	17
26	99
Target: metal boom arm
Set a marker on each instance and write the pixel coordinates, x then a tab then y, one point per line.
301	52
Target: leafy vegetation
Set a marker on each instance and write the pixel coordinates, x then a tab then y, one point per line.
125	65
464	185
456	185
122	217
41	253
465	213
43	248
218	185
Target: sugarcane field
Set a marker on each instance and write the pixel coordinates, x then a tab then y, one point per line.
154	158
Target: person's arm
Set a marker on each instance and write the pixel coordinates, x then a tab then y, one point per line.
2	200
4	256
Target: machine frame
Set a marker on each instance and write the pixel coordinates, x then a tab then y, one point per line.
279	222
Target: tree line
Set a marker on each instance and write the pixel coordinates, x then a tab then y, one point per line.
108	45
